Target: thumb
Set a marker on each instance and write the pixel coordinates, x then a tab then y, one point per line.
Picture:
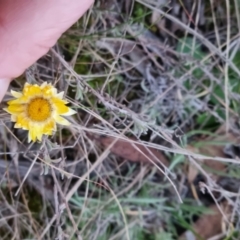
28	29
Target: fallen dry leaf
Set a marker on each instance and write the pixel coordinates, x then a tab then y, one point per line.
209	165
214	151
208	225
129	151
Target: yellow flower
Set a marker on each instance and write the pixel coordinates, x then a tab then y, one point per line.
38	109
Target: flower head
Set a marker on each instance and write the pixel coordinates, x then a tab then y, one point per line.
38	109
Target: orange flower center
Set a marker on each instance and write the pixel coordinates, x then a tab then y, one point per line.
39	109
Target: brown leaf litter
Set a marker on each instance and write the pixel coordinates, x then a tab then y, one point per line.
208	225
132	151
214	150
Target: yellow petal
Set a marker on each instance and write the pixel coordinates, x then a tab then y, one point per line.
32	135
43	85
61	120
21	122
14	101
17	125
16	94
21	100
13	118
61	108
15	108
48	89
29	136
39	132
31	90
56	100
35	132
20	119
69	113
60	95
49	128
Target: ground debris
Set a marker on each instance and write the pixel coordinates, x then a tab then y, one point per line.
215	147
208	225
134	152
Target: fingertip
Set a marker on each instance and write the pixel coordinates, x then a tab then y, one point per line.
4	83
